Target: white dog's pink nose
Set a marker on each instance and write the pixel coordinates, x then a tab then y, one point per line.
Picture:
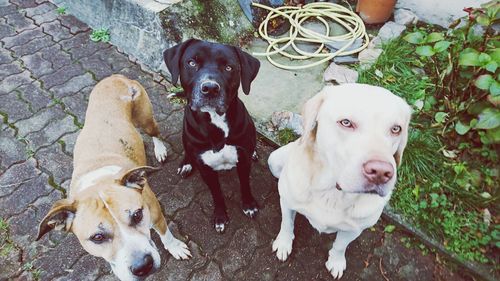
378	172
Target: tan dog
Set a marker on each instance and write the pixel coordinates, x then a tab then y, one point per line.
110	207
341	172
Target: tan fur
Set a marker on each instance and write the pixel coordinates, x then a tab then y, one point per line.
108	183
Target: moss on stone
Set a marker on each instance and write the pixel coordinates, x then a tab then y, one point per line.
219	20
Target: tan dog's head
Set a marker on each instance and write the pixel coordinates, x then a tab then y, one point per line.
360	132
111	220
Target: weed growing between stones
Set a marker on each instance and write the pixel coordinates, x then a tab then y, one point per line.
100	35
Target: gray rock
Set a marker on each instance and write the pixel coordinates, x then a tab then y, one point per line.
390	30
367	57
442	13
405	17
287	120
340	74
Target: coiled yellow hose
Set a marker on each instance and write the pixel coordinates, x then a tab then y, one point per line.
323	12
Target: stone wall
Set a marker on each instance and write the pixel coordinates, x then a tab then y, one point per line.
144	28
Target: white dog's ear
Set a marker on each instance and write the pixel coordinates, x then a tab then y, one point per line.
309	118
398	156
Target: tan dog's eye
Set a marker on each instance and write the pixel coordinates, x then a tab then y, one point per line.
137	216
228	68
395	130
192	63
98	238
346	123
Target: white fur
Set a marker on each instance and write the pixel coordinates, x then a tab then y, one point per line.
184	170
135	243
90	178
309	185
218	120
219	227
160	150
225	159
177	248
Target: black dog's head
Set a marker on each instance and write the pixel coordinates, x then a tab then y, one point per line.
210	73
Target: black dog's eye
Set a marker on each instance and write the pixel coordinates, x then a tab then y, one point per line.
98	238
396	129
228	68
137	216
346	123
192	63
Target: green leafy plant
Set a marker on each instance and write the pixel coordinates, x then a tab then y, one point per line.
468	88
286	136
61	10
100	35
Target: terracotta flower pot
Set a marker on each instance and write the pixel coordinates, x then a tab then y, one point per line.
375	11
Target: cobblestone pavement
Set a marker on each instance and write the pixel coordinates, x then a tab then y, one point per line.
48	67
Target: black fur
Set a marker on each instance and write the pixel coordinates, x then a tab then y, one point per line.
195	61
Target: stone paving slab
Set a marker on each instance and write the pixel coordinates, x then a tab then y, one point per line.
48	67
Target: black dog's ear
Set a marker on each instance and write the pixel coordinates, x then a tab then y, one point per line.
172	57
249	69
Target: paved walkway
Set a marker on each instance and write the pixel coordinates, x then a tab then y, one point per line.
48	67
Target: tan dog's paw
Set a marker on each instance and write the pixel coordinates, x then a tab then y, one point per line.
178	249
336	264
282	246
160	150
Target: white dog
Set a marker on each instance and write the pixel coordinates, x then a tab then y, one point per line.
341	172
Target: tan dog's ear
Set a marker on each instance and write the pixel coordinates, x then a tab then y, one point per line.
309	118
59	217
136	177
398	156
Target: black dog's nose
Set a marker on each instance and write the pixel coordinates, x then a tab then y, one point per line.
210	87
142	267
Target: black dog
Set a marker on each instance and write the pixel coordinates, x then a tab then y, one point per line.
218	132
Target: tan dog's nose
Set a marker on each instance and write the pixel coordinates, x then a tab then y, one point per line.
142	267
378	172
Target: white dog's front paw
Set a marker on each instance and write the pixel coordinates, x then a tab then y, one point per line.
336	264
178	249
160	150
283	246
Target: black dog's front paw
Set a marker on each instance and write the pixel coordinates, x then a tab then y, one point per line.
250	209
255	156
220	220
184	170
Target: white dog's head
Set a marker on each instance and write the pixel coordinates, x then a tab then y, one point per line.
360	132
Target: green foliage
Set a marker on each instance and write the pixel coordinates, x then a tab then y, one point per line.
61	10
286	136
389	228
101	34
473	78
448	181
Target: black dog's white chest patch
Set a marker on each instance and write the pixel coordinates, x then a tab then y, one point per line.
217	120
227	157
224	159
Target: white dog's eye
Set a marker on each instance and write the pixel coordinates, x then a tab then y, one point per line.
192	63
228	68
396	129
346	123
